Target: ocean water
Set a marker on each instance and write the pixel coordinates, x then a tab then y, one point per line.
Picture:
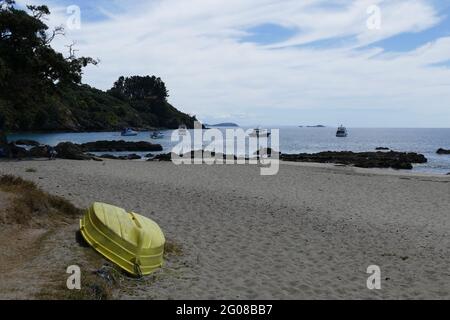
299	140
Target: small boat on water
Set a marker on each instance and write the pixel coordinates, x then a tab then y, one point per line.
157	135
260	133
131	241
128	132
342	132
182	130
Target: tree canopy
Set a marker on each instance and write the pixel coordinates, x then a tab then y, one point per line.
136	88
41	89
27	60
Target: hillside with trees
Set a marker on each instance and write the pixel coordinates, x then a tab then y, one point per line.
42	90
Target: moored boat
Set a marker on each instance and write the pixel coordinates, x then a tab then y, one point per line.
128	132
260	133
157	135
182	130
133	242
342	132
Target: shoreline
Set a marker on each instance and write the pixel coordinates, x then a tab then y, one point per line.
356	170
308	233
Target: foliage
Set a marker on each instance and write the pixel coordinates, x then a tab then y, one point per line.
41	89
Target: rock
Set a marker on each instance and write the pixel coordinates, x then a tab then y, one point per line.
25	142
39	152
266	151
133	157
190	155
382	149
162	157
443	151
392	159
127	157
109	156
71	151
17	152
150	155
120	146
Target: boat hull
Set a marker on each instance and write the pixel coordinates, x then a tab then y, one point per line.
133	242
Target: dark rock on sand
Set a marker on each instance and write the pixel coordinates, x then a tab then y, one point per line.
133	157
382	149
443	151
266	151
162	157
109	156
71	151
17	152
120	146
25	142
392	159
191	155
39	152
127	157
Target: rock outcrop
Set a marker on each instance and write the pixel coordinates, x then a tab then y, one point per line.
392	159
443	151
120	146
71	151
25	142
127	157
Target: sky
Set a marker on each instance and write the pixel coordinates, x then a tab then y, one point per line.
363	63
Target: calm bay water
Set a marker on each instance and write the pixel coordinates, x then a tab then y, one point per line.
310	140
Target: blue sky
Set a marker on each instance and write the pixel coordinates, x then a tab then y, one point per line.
275	62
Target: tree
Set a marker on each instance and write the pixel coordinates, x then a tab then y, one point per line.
138	88
26	53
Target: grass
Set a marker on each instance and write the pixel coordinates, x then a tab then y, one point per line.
172	248
31	203
93	287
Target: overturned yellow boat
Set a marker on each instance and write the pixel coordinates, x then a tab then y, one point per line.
133	242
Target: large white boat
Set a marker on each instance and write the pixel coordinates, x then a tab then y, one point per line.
128	132
342	132
260	133
182	130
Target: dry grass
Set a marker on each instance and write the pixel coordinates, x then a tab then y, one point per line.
31	203
92	288
172	248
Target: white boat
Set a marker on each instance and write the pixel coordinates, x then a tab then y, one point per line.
157	135
260	133
128	132
182	130
342	132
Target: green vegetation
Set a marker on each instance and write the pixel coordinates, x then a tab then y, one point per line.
41	89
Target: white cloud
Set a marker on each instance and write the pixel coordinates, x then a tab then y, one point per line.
194	46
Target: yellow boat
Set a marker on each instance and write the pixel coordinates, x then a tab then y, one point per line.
133	242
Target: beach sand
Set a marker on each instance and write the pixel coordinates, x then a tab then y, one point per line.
309	232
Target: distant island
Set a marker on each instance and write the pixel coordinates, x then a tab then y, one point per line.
41	89
226	124
316	126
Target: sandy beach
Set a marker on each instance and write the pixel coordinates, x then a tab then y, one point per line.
309	232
